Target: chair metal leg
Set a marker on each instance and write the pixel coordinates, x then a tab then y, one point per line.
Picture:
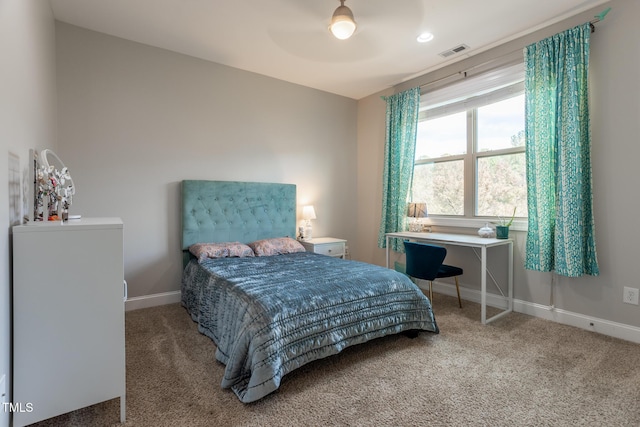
458	289
431	291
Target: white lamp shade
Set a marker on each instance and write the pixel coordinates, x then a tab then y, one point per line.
308	212
417	210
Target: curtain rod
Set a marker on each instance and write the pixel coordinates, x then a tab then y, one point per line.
599	17
473	67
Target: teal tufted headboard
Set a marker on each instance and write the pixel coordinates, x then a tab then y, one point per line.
229	211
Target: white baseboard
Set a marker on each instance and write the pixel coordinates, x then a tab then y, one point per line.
589	323
153	300
493	300
594	324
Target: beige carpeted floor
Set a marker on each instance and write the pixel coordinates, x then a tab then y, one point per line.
517	371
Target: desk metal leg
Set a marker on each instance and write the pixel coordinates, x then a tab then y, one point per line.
511	276
387	237
510	291
483	286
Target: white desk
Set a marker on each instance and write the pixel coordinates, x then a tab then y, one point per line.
472	242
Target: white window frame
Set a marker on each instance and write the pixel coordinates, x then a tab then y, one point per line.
467	95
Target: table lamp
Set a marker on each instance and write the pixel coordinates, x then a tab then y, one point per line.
308	213
416	211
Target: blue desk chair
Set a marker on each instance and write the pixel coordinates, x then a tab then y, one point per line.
424	262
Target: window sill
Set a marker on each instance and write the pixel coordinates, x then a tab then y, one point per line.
474	223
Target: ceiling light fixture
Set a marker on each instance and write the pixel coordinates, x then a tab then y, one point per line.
425	37
342	24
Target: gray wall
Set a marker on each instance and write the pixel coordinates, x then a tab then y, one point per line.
135	120
615	113
27	120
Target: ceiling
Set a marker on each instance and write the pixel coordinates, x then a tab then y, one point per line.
289	39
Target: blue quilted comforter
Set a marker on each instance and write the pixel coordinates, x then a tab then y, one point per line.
271	315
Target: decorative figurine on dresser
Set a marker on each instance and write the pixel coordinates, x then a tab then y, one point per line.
53	188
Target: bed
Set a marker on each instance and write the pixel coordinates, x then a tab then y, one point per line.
278	308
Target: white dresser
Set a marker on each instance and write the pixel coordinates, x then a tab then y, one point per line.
68	317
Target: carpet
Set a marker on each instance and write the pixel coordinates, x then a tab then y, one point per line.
517	371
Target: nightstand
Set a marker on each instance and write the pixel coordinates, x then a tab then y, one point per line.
326	246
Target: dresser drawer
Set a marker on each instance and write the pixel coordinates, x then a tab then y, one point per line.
331	249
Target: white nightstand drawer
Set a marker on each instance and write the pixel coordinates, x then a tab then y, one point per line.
326	246
335	249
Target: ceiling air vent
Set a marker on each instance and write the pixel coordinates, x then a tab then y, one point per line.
453	51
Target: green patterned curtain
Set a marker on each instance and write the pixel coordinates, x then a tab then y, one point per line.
399	157
561	233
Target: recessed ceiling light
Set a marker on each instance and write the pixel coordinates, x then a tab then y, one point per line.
425	37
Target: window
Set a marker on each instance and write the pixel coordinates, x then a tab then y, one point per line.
470	149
